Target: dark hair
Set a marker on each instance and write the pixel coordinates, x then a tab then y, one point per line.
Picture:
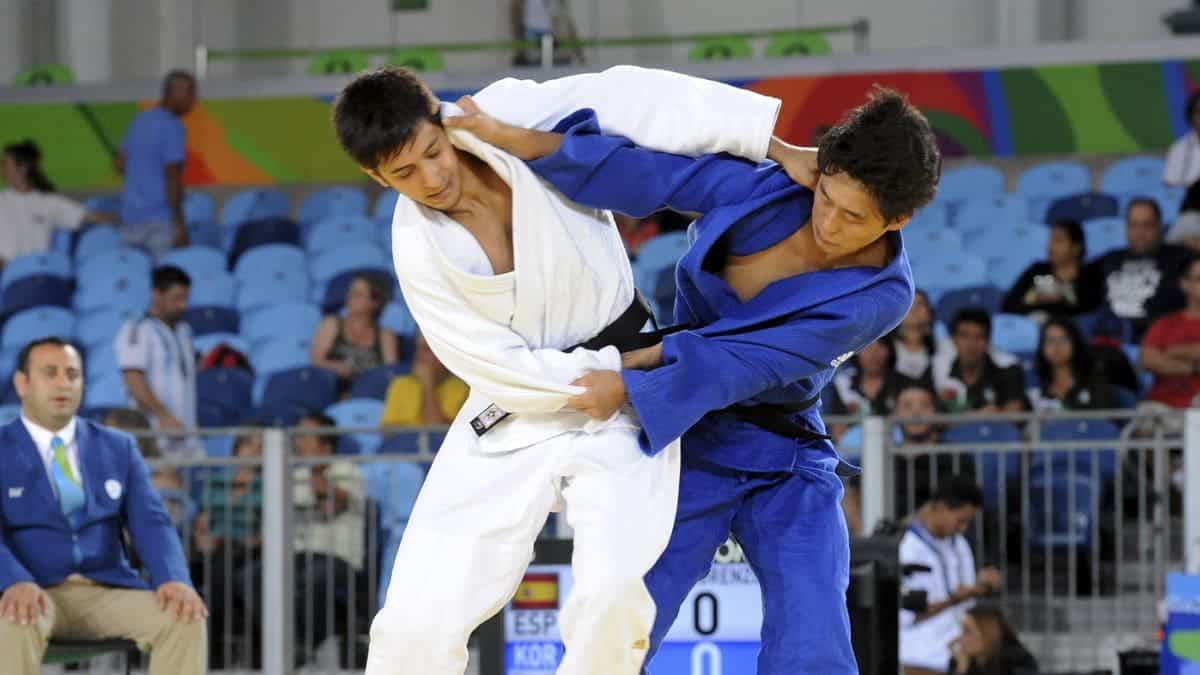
975	315
1145	201
379	112
380	287
889	363
1190	107
1081	357
955	492
170	78
887	145
323	420
1007	647
23	355
1074	231
166	276
28	155
134	420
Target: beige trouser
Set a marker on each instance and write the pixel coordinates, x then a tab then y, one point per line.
81	609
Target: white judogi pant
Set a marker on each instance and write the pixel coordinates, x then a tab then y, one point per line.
471	537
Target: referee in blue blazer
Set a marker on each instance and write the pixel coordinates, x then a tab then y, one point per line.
68	488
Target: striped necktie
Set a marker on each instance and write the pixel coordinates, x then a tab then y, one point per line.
70	490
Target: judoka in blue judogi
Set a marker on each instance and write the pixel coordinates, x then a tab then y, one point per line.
740	366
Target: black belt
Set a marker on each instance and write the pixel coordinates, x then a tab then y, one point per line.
777	418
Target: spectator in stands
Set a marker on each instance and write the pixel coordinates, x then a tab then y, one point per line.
1142	280
165	478
429	396
29	207
1183	158
157	359
935	542
988	645
913	341
532	19
227	539
1185	231
1067	379
1171	350
151	159
1061	284
976	377
354	343
64	572
635	231
868	384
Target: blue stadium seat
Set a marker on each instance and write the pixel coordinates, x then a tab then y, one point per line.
34	324
385	205
36	264
662	296
202	344
123	292
115	262
662	251
1080	462
1169	199
1054	180
101	362
35	291
935	214
1004	269
1031	240
987	297
931	242
198	207
205	320
283	353
106	392
1062	510
9	412
374	382
1141	173
938	275
335	231
286	415
1014	333
99	328
227	388
398	319
199	262
340	201
359	414
61	241
383	234
407	442
394	486
257	233
1083	206
105	203
255	204
994	212
997	469
218	290
1103	235
970	182
352	256
95	240
261	262
273	288
273	321
306	386
332	297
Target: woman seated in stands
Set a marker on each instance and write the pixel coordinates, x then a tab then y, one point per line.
1067	378
866	385
29	207
355	342
914	343
1061	284
989	646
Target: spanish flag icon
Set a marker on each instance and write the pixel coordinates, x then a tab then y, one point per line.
538	590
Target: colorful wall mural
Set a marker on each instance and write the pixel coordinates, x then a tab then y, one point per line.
1045	110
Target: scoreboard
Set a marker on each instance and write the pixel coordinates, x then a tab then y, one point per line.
716	632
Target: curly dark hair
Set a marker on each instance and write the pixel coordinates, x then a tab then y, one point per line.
379	112
887	145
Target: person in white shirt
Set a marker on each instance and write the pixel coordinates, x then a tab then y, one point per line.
157	359
1183	157
29	207
935	540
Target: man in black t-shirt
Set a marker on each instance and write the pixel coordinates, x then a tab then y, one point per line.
974	377
1141	281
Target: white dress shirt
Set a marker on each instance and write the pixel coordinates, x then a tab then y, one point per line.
41	440
1183	161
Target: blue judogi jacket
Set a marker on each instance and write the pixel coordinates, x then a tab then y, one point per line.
781	346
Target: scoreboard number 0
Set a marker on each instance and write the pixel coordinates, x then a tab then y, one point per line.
705	614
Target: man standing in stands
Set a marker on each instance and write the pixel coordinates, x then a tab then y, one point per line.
69	488
151	159
157	360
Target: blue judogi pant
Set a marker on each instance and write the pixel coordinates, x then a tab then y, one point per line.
792	531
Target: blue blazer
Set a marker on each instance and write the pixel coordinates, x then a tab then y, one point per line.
35	539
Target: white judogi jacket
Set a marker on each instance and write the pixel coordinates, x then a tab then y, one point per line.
503	334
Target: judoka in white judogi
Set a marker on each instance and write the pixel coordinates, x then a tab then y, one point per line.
472	530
